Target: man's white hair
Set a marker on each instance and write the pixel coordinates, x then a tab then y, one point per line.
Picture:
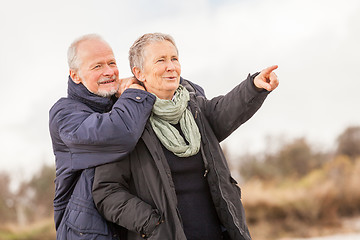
72	55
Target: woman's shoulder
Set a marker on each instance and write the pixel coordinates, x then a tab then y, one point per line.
192	87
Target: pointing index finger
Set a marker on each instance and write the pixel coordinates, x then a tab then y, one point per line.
269	69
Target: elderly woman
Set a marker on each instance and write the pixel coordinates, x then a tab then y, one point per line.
176	183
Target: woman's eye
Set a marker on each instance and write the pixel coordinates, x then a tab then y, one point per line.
160	60
175	59
113	63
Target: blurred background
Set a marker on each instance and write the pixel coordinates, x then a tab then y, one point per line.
297	160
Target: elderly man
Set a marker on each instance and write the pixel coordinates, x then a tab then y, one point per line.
176	184
93	125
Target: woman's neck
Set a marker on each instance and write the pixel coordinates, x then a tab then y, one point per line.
163	94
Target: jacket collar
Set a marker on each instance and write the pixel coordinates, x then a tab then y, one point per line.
80	93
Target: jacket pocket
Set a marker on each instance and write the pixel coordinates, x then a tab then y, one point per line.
85	223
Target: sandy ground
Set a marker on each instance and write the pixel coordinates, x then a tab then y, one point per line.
351	225
334	237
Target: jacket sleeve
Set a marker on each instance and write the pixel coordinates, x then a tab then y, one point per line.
114	201
114	134
226	113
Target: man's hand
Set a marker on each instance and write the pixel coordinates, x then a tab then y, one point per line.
130	82
267	79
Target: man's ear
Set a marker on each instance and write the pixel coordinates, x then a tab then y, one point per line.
138	74
75	76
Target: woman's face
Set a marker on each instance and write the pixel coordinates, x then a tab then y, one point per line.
161	69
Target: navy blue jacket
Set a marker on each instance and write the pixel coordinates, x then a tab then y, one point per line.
87	131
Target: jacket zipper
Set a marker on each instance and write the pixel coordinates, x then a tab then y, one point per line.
206	164
217	175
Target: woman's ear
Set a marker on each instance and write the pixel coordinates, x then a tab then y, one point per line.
138	74
75	76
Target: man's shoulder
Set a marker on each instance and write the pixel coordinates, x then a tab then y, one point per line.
67	104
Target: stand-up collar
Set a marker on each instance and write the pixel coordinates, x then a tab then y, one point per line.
80	93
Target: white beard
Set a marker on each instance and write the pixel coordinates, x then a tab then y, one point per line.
108	93
105	93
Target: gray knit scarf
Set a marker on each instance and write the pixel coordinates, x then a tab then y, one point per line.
167	112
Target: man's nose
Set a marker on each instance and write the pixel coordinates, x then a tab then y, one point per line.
108	71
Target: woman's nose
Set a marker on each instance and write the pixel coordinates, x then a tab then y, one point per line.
170	66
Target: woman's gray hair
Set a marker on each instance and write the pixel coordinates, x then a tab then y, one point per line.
136	52
72	54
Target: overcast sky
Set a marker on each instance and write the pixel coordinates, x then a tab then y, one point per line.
314	42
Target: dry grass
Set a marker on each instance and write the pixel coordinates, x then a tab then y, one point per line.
41	230
313	205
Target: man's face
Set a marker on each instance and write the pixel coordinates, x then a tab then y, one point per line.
97	71
161	69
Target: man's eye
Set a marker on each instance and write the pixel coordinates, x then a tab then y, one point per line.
160	60
175	59
112	63
97	66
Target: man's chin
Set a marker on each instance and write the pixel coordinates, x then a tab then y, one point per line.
107	93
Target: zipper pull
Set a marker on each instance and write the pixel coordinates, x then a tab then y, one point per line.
206	172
